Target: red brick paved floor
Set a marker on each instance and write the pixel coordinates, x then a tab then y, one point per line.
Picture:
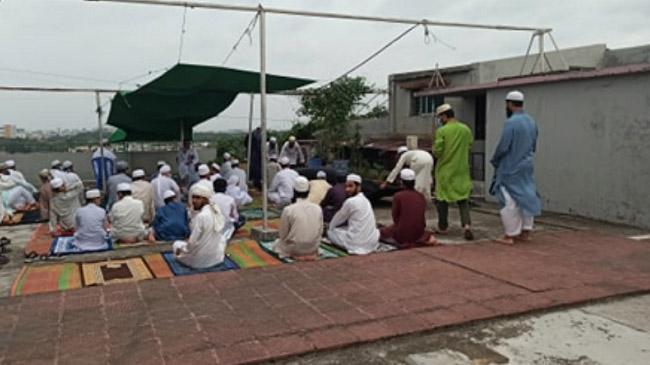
258	314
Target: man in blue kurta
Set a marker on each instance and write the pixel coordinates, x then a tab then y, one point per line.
514	181
171	221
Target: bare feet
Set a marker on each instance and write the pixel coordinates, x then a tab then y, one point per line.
432	241
505	240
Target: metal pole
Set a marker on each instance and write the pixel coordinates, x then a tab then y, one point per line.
265	203
530	45
193	4
559	53
542	67
250	137
102	165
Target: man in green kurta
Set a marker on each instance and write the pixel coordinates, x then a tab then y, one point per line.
453	142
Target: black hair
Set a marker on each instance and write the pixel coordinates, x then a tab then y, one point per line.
220	185
125	193
449	113
301	195
409	184
170	199
517	103
138	178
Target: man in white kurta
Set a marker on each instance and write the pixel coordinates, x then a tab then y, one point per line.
56	170
301	226
10	165
63	206
241	197
71	178
227	206
421	162
126	217
90	223
226	166
207	244
186	160
162	183
20	199
241	174
360	236
291	149
281	189
142	190
121	176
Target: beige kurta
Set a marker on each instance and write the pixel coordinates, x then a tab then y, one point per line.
126	219
317	190
63	207
301	228
143	191
44	196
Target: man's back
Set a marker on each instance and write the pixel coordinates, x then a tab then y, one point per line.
126	217
227	205
283	182
409	209
160	185
143	191
111	186
89	227
305	222
317	190
171	222
517	148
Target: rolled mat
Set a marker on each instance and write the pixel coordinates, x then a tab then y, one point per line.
248	254
115	271
180	269
40	279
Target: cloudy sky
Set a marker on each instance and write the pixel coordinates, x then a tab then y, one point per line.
73	43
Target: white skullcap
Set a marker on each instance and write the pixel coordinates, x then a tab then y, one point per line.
138	173
44	173
235	162
226	156
55	163
201	190
407	175
92	194
122	187
402	149
321	174
301	184
66	164
292	139
354	178
160	163
273	139
10	163
204	170
233	180
216	166
284	161
165	169
443	108
168	194
515	95
56	183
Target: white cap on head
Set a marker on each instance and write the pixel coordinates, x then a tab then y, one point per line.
301	184
515	95
168	194
10	163
123	187
55	163
292	138
284	161
66	164
160	163
226	156
138	173
56	183
204	170
273	139
407	175
165	169
235	162
216	166
44	173
354	178
402	149
443	108
201	190
93	194
321	174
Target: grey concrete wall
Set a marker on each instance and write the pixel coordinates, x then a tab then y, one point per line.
31	163
593	149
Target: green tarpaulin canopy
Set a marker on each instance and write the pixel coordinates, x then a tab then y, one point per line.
183	97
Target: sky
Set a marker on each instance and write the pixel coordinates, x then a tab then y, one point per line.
75	43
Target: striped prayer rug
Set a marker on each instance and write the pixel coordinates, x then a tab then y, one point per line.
39	279
248	254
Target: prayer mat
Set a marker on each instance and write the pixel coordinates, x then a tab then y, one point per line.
115	271
119	245
180	269
40	242
253	214
245	231
67	246
248	254
157	265
40	279
323	252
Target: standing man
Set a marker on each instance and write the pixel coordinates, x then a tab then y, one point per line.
353	227
103	167
421	162
255	162
44	194
71	178
228	207
90	223
272	168
226	166
272	148
281	189
301	226
163	183
120	177
186	161
514	180
142	190
241	174
126	216
63	207
291	149
453	142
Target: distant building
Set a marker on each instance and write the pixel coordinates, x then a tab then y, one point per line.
9	131
593	116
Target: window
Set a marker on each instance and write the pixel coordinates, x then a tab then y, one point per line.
479	126
425	104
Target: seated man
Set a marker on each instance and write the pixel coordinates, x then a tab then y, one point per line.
228	208
142	190
360	236
241	174
63	207
162	183
90	223
171	221
241	197
318	188
333	200
207	245
215	171
126	216
301	226
281	189
409	221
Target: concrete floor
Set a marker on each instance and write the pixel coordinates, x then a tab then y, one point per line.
613	332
